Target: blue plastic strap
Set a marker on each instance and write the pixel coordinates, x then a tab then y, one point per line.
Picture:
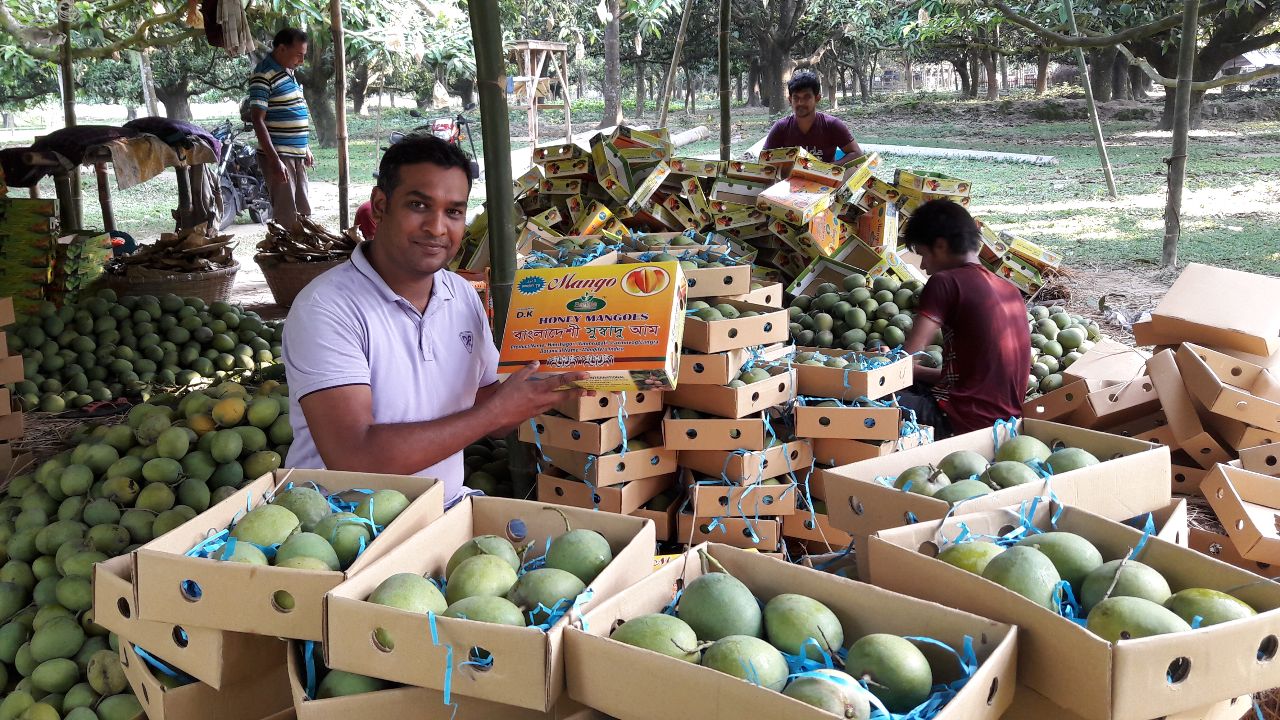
622	422
1010	427
162	667
448	657
670	609
309	663
537	441
1148	529
1196	622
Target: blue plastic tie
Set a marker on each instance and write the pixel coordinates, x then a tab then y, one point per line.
309	663
160	666
1148	529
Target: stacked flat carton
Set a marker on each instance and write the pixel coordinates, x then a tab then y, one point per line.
11	419
28	236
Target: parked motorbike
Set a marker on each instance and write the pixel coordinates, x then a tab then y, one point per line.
242	185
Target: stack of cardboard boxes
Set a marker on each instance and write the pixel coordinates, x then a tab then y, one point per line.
28	235
11	419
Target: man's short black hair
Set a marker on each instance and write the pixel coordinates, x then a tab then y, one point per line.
804	80
414	149
943	219
288	36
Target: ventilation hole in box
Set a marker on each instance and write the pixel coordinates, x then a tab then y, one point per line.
517	530
621	467
1177	538
795	454
705	529
991	694
699	367
767	500
191	590
180	636
1179	477
882	380
856	505
1179	669
782	387
1124	635
809	524
595	499
693	282
1240	524
282	601
824	421
869	423
639	397
1215	548
768	299
735	433
982	639
1005	530
909	517
146	696
764	464
768	326
724	500
1267	649
1070	396
1220	493
481	660
122	605
1205	451
1113	397
124	658
733	332
755	397
746	533
575	434
1264	566
928	547
1237	371
559	491
604	401
728	279
540	428
655	460
382	640
691	434
1039	410
1146	387
1271	460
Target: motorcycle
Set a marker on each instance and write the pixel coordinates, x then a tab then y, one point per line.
241	183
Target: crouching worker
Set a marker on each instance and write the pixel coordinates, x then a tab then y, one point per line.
390	359
986	346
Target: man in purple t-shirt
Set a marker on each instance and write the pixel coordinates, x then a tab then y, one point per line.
817	132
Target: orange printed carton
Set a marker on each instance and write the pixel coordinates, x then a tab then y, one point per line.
622	324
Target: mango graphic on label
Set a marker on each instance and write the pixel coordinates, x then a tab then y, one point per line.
645	281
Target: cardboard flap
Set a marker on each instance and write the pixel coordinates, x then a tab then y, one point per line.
1180	411
1183	311
1232	387
1108	361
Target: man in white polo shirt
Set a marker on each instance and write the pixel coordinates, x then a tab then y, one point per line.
390	360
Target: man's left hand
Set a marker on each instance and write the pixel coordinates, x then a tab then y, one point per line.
311	159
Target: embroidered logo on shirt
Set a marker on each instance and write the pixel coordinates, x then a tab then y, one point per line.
468	339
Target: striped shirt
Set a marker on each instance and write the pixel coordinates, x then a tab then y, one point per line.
273	89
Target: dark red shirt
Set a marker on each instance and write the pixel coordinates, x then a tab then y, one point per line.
827	134
986	349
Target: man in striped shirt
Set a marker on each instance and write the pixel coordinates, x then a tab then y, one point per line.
280	121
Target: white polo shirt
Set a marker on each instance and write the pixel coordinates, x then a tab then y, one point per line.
348	327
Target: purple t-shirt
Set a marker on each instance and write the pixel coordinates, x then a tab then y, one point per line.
347	327
827	134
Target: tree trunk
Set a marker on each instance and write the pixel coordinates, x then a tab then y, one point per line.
1004	64
1120	89
148	83
775	71
737	94
1100	65
864	85
1185	110
1167	115
359	85
691	93
974	77
1138	82
640	99
909	75
1042	72
316	78
993	78
177	101
832	76
130	113
962	72
6	121
612	72
753	83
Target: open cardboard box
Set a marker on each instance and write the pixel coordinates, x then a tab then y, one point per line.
174	588
718	335
590	436
706	282
739	501
815	528
745	468
1061	402
528	664
1031	705
1220	547
260	693
1184	314
724	367
606	405
1263	459
757	534
767	294
729	402
1237	435
1109	362
678	689
833	453
1232	387
745	433
664	521
849	423
1153	428
615	468
1181	413
624	498
217	658
849	382
1186	479
1117	404
1170	521
1247	505
1130	680
1132	477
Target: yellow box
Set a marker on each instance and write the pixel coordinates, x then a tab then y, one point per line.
622	324
591	221
930	182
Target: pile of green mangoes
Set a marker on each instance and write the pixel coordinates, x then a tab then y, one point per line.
1123	599
306	531
120	486
860	314
965	474
487	468
1057	340
703	310
719	624
654	241
103	348
692	261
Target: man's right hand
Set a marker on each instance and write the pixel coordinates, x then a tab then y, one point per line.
521	397
275	171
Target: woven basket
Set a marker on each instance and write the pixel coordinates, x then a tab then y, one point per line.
286	279
211	286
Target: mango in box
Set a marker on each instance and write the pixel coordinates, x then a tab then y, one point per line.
622	324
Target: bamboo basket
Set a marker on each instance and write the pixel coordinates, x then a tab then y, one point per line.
286	279
212	286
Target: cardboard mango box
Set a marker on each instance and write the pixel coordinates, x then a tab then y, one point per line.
1131	680
1263	459
1220	547
1232	387
730	402
767	294
605	405
851	383
709	496
1031	705
1180	410
849	423
1246	504
664	521
172	587
745	433
931	182
1186	479
1132	477
763	535
1117	404
1183	314
769	327
555	486
615	468
528	664
217	658
722	368
689	690
747	467
1061	402
622	324
597	437
261	693
833	452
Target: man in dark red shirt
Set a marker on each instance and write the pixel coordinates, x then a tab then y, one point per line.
819	133
986	346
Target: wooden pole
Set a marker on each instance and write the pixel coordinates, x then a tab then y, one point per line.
675	63
67	76
104	196
725	120
340	102
1096	124
1181	125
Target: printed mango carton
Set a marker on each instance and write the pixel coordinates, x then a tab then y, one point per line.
622	324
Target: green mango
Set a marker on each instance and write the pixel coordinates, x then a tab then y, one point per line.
1136	580
1125	617
972	556
718	605
1073	556
487	608
790	620
895	670
660	633
748	658
1026	571
1211	606
583	553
